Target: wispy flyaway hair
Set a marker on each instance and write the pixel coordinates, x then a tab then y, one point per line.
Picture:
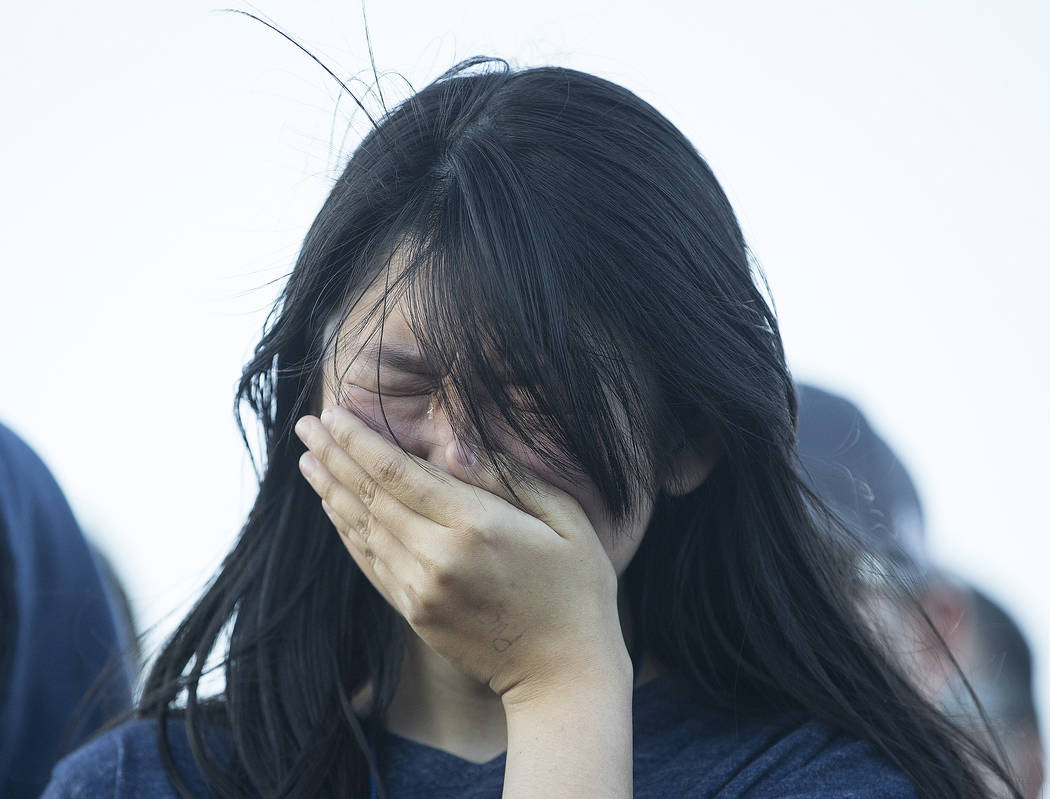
553	233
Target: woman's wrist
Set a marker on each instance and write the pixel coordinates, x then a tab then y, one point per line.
573	738
605	677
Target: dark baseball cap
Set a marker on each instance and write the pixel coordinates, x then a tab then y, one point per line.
857	474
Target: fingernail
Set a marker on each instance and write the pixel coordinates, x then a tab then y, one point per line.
326	417
302	427
307	464
465	454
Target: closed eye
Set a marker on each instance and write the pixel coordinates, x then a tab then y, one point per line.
414	392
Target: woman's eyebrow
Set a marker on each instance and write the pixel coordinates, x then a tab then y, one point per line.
406	359
402	359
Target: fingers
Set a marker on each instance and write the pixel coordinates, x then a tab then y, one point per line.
375	569
355	494
395	487
379	466
557	509
378	552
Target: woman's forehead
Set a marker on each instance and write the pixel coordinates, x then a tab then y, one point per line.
365	322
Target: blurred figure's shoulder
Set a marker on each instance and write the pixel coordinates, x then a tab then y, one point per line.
126	762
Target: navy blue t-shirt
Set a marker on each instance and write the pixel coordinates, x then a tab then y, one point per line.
680	750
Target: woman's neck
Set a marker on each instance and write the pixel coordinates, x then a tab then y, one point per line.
437	705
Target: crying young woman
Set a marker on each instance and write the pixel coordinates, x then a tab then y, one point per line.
531	520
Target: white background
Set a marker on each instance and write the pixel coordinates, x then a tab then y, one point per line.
888	162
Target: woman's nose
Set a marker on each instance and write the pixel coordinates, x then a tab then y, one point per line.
437	434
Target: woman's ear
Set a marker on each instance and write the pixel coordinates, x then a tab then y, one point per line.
690	468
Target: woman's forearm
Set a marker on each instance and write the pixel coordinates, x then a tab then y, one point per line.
573	742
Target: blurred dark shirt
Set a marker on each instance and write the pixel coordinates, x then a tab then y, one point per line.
62	625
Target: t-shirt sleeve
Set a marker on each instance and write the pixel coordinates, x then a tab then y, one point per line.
685	749
89	772
845	771
124	763
812	762
806	761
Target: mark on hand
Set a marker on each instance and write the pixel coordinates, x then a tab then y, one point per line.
500	643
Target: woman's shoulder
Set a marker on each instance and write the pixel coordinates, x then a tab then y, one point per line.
126	762
698	752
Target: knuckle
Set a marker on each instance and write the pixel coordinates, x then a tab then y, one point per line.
433	563
420	610
426	499
370	558
478	530
362	525
431	590
391	473
367	489
428	564
438	578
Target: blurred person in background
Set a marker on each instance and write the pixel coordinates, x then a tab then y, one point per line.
64	627
1002	677
993	654
854	470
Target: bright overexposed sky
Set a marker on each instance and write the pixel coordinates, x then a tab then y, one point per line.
888	161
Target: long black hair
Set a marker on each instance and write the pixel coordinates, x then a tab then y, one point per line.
556	232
